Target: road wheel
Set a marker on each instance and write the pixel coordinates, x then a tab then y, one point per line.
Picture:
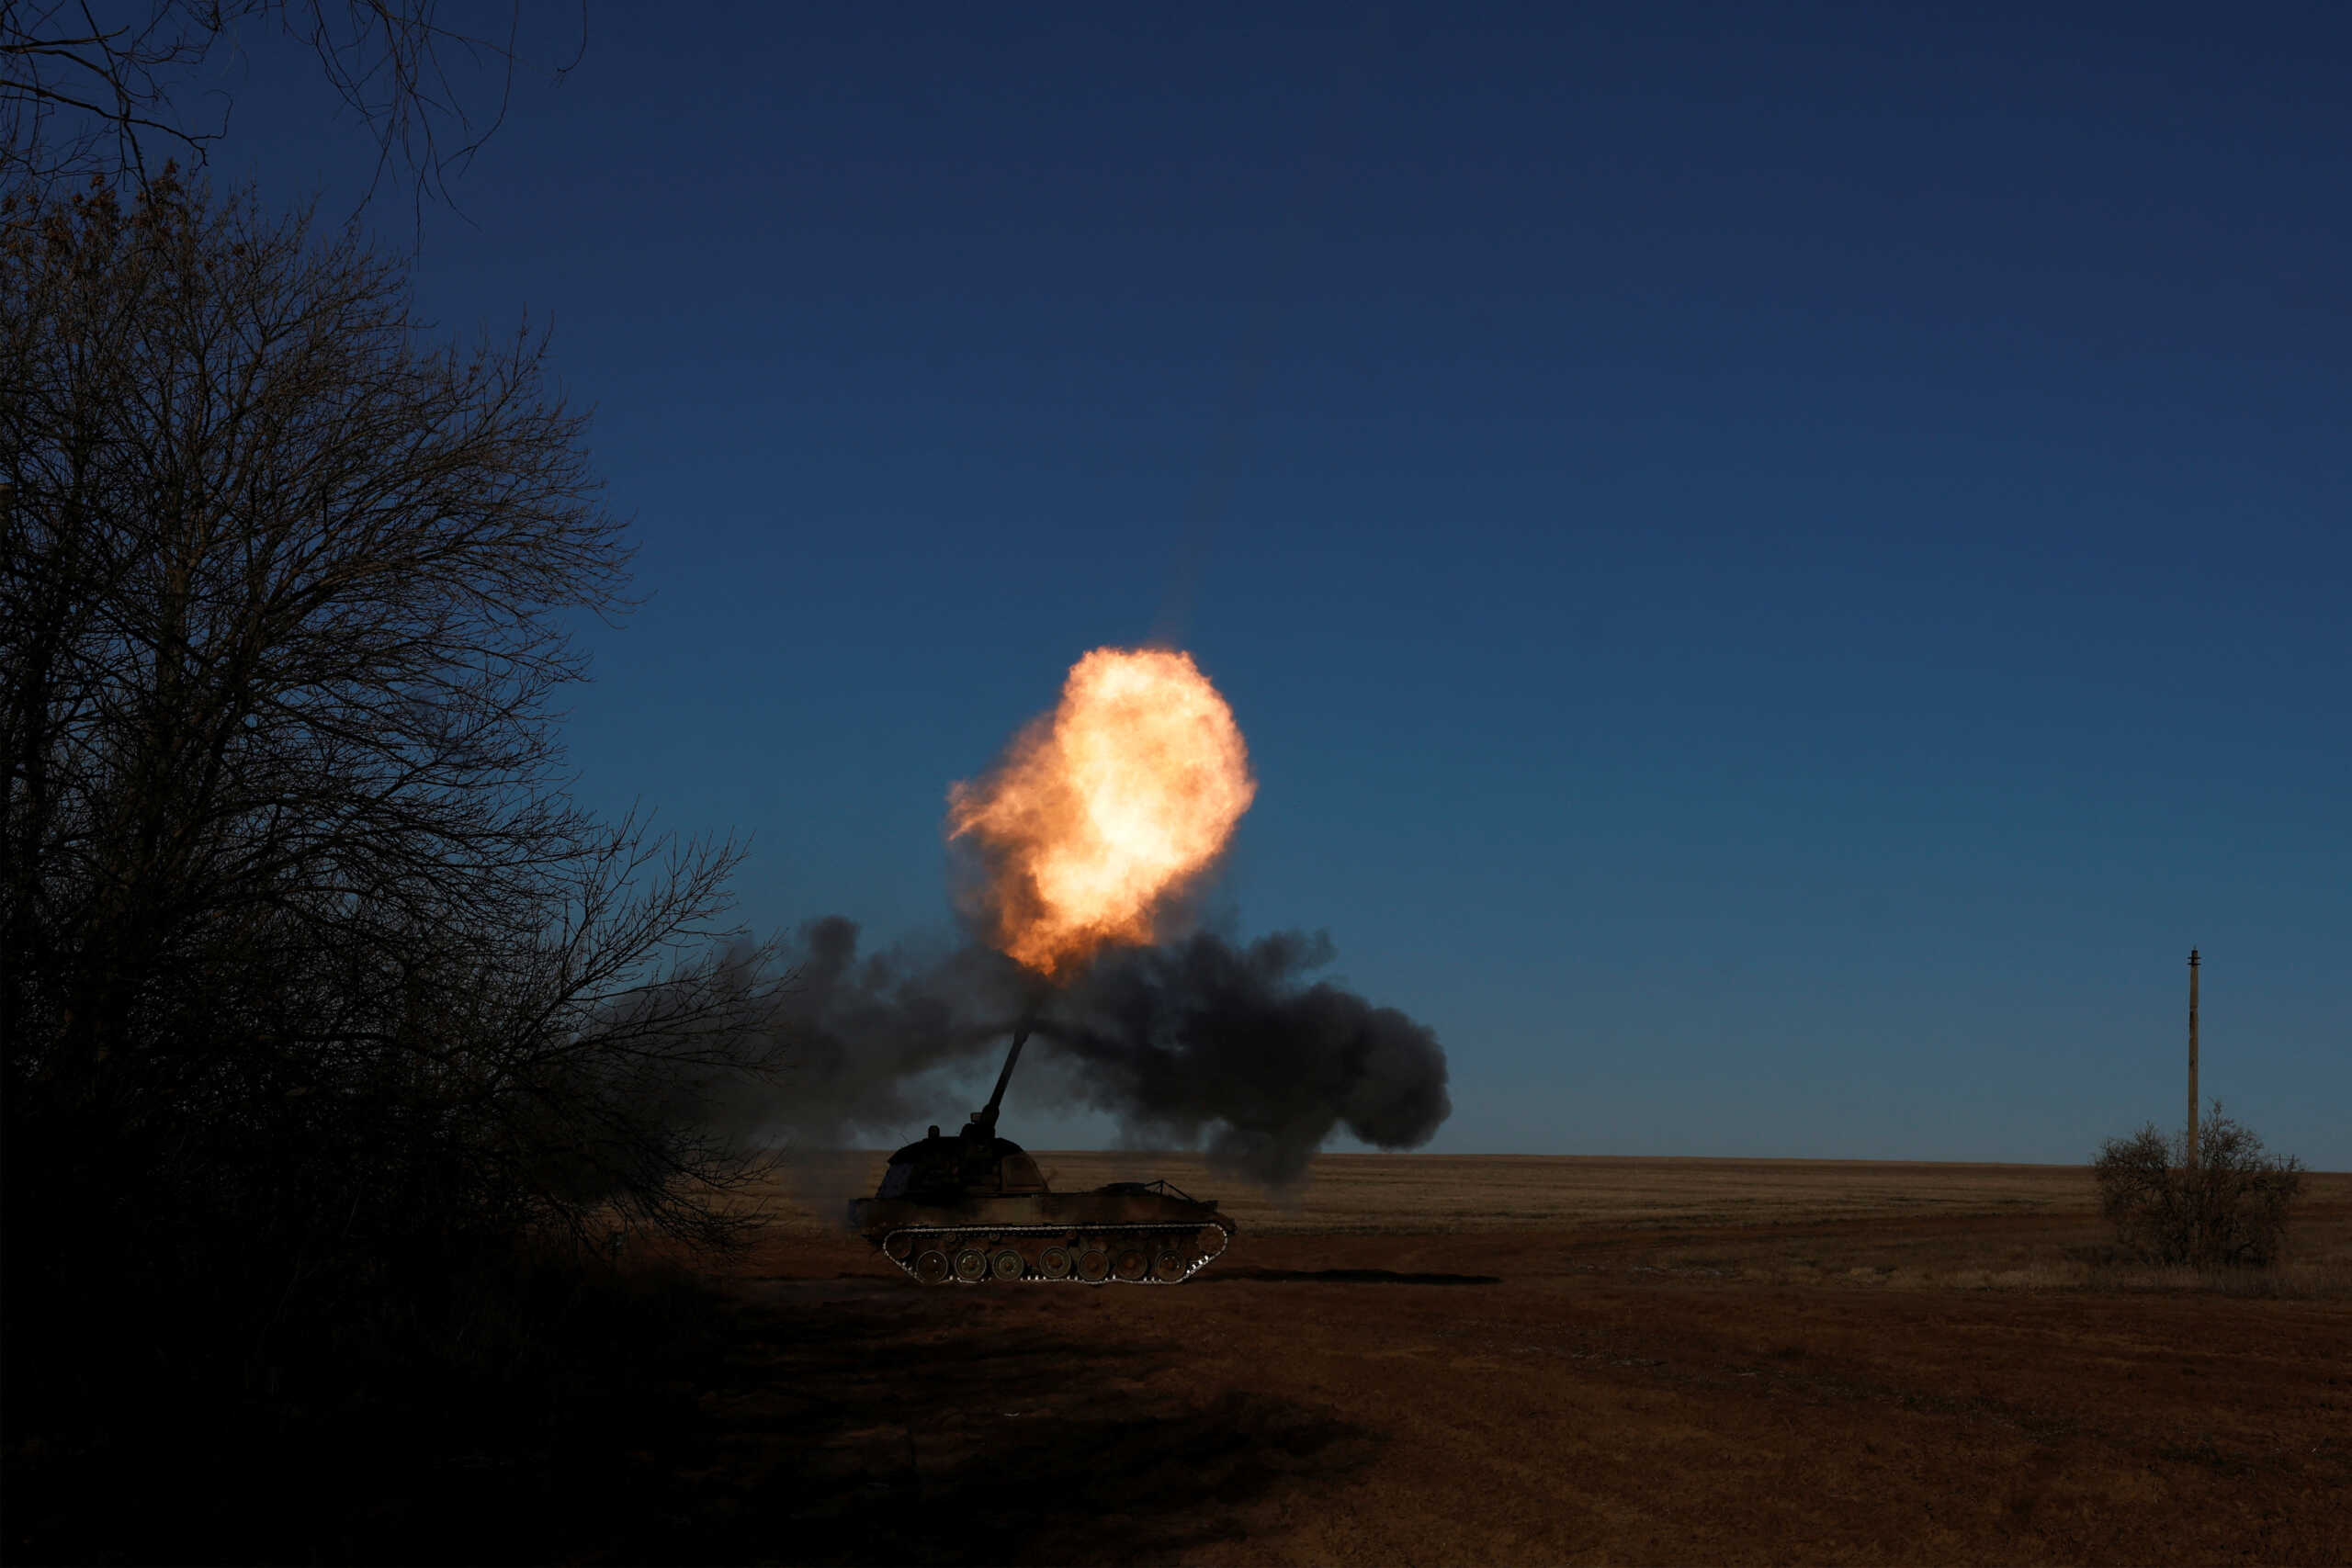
971	1266
1054	1263
932	1267
1169	1268
1007	1264
1132	1264
1093	1266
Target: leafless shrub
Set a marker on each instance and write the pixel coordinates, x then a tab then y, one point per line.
2225	1210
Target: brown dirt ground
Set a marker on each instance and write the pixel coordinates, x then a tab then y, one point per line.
1431	1360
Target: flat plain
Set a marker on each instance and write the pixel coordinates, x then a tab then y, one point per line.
1427	1359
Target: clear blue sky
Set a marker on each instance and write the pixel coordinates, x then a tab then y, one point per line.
1781	564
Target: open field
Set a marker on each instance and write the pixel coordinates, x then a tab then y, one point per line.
1534	1361
1431	1194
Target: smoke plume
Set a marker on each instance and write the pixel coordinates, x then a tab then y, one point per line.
1205	1040
1198	1041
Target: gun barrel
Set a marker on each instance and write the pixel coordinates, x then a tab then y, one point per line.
985	1120
1019	1038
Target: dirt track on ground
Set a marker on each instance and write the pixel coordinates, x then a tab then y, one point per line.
1882	1364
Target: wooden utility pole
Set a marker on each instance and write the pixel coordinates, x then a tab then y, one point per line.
2192	1058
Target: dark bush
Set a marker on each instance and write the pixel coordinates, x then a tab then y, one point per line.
2226	1208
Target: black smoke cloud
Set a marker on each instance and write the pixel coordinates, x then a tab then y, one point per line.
1234	1045
1199	1042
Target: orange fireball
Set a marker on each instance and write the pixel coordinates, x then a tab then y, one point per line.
1105	810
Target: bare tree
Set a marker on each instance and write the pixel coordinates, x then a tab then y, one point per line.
293	898
95	89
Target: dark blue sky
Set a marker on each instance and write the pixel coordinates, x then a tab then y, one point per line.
1781	564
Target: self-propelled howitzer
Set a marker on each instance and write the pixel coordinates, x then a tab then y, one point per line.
974	1208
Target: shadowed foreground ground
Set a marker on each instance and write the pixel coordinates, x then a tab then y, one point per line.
1427	1360
1930	1382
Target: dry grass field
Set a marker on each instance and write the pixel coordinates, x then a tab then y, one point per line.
1422	1194
1435	1359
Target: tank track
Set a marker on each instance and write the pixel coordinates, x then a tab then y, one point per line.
914	1250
